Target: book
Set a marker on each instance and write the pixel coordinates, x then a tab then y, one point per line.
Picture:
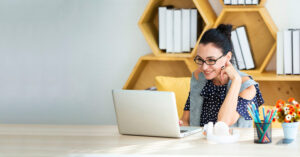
227	2
241	2
248	1
237	51
186	46
296	51
162	11
170	30
255	2
234	2
177	31
287	49
245	47
193	30
279	54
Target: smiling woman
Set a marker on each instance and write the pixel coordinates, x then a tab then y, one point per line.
219	92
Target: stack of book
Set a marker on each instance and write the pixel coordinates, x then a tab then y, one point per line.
288	52
242	50
177	29
241	2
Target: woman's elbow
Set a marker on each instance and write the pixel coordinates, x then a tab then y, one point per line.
229	120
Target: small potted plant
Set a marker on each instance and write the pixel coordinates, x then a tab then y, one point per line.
289	115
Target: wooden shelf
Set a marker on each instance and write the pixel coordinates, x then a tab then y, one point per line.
261	32
261	4
272	76
148	22
150	66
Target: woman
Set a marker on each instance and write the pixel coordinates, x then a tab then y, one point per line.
219	92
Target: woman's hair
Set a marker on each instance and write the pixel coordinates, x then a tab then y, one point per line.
220	37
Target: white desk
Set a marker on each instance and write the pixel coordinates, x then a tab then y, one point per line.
93	141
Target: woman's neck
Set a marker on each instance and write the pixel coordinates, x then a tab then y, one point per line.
217	80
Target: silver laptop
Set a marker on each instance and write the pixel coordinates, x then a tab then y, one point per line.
148	113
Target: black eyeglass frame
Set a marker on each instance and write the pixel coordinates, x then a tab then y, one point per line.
204	61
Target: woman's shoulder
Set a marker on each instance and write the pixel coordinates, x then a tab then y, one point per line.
196	73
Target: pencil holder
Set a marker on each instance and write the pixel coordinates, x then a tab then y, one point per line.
262	133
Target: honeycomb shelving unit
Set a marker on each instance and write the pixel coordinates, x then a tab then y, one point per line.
148	22
159	62
150	66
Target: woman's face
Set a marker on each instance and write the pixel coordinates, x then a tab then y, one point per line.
210	54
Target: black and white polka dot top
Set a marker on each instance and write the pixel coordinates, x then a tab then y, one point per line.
213	98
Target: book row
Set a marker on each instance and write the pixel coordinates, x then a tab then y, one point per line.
288	52
242	49
177	29
241	2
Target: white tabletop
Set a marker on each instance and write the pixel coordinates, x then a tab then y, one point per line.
98	141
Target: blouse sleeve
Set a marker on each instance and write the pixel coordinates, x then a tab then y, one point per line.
242	103
187	104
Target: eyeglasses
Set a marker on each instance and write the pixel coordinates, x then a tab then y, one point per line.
198	60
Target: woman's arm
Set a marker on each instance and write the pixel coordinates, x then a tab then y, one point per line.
228	113
185	118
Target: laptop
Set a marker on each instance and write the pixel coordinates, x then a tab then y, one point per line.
149	113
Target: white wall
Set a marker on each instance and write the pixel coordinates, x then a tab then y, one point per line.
59	59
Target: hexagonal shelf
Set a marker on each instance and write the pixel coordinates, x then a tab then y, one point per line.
274	90
261	4
149	66
148	22
261	32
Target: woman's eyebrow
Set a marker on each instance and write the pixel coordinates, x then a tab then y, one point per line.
211	57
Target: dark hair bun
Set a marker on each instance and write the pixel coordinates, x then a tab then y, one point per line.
225	29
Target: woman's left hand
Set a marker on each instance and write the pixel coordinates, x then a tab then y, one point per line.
230	71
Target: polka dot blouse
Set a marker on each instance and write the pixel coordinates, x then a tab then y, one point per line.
213	98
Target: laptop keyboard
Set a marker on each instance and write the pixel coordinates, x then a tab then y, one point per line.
183	131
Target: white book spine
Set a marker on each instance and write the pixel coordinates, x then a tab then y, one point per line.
227	2
162	11
237	50
241	2
186	30
234	2
296	52
255	2
193	27
287	47
170	30
177	31
245	47
248	1
279	54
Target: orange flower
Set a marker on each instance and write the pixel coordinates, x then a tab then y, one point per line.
274	120
292	110
280	101
279	110
299	113
278	105
286	121
297	105
291	113
291	99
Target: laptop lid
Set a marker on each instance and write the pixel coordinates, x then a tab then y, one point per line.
150	113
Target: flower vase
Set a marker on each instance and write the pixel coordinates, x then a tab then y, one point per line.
290	130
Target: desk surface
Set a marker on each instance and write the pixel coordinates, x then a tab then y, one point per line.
94	141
